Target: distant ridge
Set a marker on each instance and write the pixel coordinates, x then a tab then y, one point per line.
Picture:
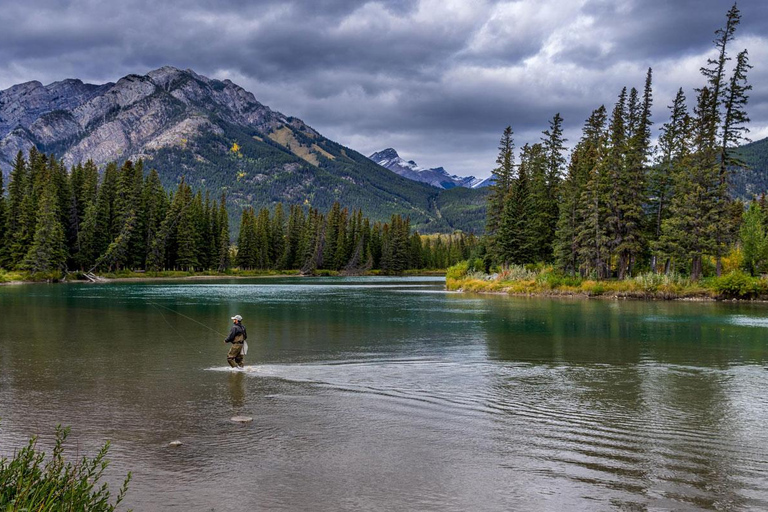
218	137
437	176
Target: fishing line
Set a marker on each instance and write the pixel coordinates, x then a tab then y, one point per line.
286	349
188	318
168	323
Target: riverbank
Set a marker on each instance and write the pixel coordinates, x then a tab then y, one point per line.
21	277
547	282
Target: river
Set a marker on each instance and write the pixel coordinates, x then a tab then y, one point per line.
391	394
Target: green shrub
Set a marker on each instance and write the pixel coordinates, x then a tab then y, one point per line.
29	483
738	284
458	271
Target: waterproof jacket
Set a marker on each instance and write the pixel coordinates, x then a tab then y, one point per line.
235	334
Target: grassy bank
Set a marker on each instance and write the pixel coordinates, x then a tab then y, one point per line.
520	280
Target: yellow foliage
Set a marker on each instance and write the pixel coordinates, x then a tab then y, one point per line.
235	148
733	260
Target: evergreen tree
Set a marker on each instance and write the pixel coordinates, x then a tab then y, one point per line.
691	230
277	242
187	240
585	157
734	131
154	206
246	242
3	220
48	251
503	178
262	237
673	148
223	260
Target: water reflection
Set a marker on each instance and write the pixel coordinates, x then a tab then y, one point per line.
237	390
388	394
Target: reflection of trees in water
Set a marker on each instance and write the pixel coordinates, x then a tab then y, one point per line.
237	389
620	332
627	402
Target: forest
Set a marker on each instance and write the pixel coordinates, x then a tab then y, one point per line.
54	220
621	206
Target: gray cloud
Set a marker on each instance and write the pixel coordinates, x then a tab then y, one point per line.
436	79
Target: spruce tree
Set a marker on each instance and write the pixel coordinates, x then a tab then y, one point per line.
223	237
515	237
584	158
277	236
187	237
3	220
503	178
262	238
48	251
154	206
673	148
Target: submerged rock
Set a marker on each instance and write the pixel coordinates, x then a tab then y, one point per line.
242	419
175	443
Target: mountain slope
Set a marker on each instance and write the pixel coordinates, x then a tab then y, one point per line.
216	135
754	180
437	177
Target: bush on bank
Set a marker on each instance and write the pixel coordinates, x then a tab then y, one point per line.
29	483
545	280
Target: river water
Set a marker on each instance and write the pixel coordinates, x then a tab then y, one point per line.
392	394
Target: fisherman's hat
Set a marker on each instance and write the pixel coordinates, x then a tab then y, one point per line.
237	317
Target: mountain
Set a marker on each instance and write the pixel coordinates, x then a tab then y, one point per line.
754	180
437	176
216	136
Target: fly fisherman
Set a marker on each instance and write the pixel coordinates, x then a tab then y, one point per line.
237	337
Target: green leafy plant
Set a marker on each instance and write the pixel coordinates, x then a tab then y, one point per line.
30	483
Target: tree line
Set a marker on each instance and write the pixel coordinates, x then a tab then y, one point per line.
619	204
55	219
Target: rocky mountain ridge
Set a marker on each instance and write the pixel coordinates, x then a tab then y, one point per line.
219	138
436	176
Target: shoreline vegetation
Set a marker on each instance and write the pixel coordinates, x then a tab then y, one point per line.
22	277
546	281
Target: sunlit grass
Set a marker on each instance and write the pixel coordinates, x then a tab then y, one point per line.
522	280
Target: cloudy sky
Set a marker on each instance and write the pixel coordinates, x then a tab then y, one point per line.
436	79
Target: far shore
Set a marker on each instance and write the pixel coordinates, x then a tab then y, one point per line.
185	276
605	290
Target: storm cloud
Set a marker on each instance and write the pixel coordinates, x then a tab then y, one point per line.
436	79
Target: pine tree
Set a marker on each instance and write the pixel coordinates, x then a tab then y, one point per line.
246	242
154	206
48	251
262	237
734	132
591	237
16	190
714	72
291	256
632	190
30	189
673	148
515	244
187	237
503	178
277	236
223	237
691	231
554	147
3	220
584	159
